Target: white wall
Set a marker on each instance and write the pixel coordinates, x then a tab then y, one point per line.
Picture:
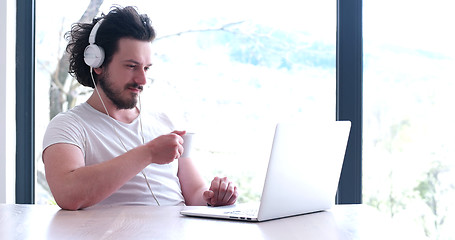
7	101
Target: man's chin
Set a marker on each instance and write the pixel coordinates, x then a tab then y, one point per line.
126	105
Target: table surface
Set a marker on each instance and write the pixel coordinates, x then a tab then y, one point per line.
151	222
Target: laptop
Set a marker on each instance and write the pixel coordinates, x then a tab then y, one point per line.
302	174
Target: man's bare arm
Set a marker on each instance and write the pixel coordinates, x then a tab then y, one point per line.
77	186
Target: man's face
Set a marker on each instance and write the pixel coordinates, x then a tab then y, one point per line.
123	79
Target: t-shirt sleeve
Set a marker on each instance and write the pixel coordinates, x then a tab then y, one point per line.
63	128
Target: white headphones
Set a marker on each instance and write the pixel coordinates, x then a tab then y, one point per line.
94	54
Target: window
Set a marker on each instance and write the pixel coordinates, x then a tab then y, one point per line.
227	73
409	133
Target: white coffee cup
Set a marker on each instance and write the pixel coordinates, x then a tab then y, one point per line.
187	145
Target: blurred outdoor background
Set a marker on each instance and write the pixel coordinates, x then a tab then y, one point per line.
228	71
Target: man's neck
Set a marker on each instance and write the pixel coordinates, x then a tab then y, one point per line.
122	115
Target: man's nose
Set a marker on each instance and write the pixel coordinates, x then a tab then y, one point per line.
141	77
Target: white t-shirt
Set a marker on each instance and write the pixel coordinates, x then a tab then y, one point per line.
94	133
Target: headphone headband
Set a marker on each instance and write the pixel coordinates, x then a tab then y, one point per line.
91	38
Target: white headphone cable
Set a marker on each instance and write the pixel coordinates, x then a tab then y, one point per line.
143	142
118	135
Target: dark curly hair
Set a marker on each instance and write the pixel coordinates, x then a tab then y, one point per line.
118	23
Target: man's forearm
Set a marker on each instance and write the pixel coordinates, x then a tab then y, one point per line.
196	198
89	185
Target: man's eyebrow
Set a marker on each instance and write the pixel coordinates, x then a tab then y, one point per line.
135	62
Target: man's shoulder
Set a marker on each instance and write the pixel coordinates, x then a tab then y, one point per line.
74	115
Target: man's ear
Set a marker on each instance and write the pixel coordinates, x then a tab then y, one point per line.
99	70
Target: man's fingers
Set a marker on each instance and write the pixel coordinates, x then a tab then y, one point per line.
180	133
208	195
176	137
215	187
222	190
234	197
229	191
179	151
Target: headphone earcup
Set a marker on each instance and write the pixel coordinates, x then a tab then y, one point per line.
93	55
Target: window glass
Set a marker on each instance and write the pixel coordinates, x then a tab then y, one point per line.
409	135
226	71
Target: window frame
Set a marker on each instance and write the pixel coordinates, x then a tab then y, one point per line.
349	67
349	71
25	95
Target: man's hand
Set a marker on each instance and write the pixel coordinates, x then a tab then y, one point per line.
166	148
222	192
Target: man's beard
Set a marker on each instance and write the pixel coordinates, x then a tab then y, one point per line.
114	96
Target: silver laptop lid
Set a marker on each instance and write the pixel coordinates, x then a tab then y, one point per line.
304	168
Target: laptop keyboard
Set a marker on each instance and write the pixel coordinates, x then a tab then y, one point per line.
243	212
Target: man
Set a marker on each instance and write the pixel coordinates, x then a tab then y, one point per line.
105	151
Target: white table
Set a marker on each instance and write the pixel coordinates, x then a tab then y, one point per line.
149	222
